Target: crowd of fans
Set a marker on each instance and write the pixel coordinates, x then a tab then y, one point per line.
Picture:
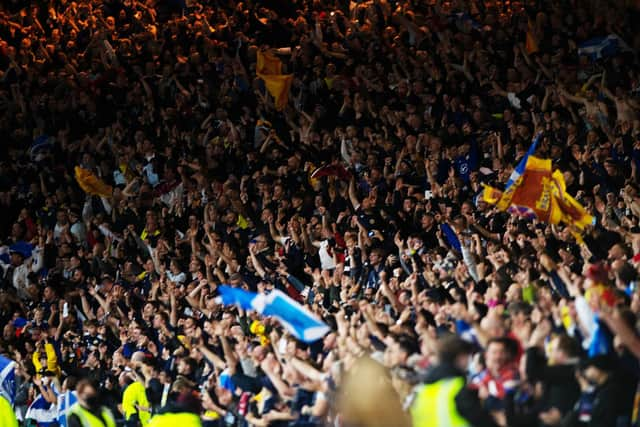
408	107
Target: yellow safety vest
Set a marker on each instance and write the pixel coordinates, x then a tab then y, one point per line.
180	419
136	395
7	415
435	404
89	420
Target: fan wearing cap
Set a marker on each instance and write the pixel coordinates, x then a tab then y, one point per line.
23	259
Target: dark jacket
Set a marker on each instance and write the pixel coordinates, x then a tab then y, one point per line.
602	406
561	387
467	402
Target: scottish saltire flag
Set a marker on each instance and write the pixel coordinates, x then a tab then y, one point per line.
42	412
65	402
294	317
451	237
7	379
40	146
601	341
240	297
466	332
23	248
602	47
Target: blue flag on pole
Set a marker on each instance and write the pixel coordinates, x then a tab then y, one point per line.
301	323
7	379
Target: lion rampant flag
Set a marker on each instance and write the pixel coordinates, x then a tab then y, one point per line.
91	184
534	191
269	69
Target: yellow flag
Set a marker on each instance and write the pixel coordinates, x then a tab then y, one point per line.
531	44
269	69
91	184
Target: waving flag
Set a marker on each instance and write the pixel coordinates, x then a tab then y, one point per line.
295	318
23	248
602	47
534	191
531	44
601	341
451	237
466	332
65	402
91	184
269	69
40	146
7	379
336	170
45	414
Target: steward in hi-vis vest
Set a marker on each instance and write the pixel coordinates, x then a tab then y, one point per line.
443	400
88	412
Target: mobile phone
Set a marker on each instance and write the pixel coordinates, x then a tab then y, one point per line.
65	310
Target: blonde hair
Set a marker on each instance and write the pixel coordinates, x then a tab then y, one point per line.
368	399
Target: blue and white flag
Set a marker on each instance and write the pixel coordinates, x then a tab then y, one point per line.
65	402
601	340
466	332
42	412
294	317
8	379
243	299
522	165
451	237
5	256
602	47
40	146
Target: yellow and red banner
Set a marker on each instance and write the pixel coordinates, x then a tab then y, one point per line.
537	192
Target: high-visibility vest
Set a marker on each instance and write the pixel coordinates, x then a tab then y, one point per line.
7	415
89	420
136	395
179	419
435	404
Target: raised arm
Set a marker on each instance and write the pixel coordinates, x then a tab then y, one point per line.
353	194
